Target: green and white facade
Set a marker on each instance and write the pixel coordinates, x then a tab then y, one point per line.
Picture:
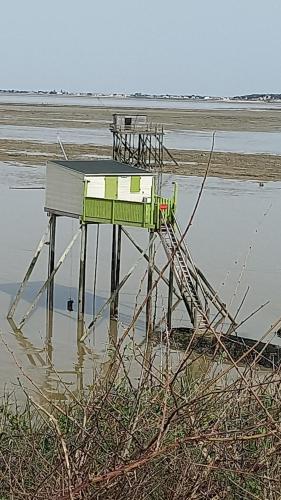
106	192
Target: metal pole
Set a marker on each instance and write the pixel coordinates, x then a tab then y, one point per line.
51	267
82	275
113	271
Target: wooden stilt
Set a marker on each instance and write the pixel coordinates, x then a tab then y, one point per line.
82	277
51	267
46	283
27	275
170	297
149	284
118	267
113	271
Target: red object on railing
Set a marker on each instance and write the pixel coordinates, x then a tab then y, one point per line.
163	206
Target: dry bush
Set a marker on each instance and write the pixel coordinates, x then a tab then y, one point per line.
186	432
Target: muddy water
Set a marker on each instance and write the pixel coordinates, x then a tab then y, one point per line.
225	141
236	237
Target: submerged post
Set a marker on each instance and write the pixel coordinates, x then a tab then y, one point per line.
82	277
51	266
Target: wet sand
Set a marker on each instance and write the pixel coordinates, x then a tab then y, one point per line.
227	165
224	165
254	120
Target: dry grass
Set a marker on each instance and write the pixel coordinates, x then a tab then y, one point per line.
179	433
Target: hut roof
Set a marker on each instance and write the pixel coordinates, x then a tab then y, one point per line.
101	167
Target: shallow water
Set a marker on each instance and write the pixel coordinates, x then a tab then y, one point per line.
233	142
128	102
235	237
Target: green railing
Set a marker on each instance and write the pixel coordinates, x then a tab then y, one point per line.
118	212
139	214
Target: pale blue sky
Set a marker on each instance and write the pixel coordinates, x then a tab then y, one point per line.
218	47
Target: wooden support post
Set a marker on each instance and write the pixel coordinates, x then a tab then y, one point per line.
82	277
149	284
170	297
118	267
51	267
48	281
113	271
27	275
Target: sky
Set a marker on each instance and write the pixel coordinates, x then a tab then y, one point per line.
218	47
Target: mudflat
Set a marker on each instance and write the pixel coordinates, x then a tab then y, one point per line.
227	165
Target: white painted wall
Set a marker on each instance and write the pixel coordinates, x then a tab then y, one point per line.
124	184
96	188
64	190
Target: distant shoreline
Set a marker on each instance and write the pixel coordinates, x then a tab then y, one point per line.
259	98
42	119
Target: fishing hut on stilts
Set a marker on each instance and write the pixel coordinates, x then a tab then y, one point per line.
125	191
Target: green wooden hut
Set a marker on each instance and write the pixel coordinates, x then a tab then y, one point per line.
106	192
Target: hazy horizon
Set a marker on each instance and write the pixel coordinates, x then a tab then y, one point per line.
182	47
115	93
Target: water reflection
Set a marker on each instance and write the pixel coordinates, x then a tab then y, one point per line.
55	384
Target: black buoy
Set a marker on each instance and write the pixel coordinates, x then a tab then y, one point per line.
70	305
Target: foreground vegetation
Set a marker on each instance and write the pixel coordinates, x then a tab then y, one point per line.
196	431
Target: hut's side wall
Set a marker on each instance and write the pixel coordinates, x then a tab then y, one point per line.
124	189
64	190
96	188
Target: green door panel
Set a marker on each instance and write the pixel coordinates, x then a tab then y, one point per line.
111	188
135	184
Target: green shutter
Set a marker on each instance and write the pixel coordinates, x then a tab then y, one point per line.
111	188
135	184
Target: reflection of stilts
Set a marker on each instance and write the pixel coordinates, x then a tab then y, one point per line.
79	367
113	333
36	358
32	352
110	366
